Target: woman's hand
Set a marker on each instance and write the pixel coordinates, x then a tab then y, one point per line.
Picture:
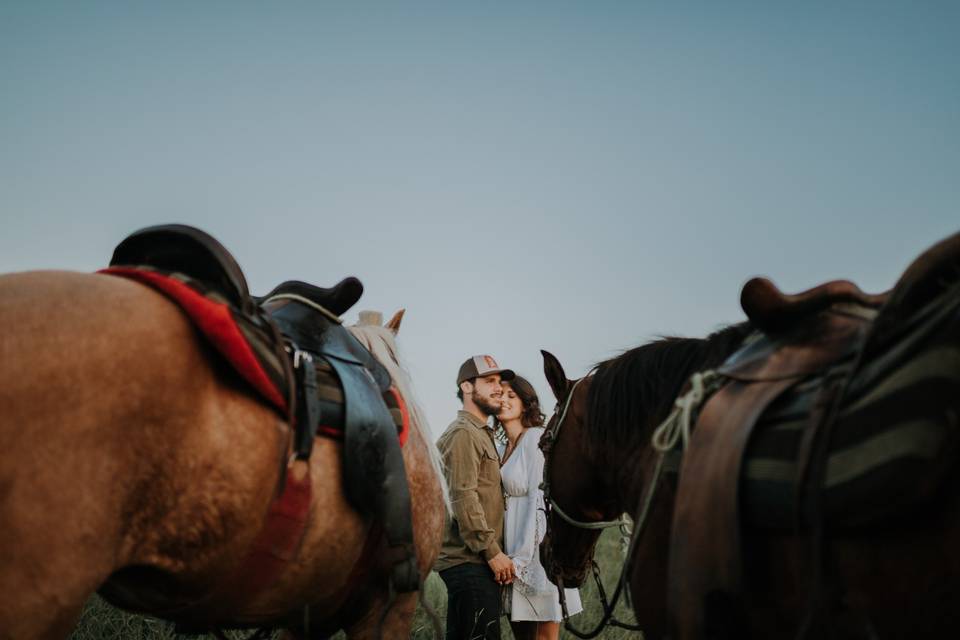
502	567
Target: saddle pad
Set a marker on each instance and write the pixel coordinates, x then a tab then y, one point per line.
893	443
252	351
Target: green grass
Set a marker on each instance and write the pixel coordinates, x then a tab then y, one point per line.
100	621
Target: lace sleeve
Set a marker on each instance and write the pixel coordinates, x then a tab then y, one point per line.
531	578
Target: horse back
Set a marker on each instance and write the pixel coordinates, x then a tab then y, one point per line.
125	442
85	356
117	354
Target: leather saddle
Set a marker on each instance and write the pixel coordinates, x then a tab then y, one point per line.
771	310
183	249
834	331
374	472
296	329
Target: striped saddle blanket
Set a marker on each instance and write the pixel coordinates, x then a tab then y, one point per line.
895	437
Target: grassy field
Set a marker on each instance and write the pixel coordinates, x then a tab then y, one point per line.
100	621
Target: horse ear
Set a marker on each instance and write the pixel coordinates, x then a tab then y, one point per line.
394	323
553	370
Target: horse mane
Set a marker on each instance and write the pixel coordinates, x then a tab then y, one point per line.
382	345
635	390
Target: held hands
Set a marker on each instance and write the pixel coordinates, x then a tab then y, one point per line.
502	567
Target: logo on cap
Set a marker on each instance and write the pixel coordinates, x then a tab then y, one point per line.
484	365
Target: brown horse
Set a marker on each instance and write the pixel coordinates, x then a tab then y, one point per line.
134	458
889	546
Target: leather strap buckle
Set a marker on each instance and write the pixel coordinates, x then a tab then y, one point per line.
308	409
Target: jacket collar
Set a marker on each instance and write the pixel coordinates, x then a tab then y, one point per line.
472	419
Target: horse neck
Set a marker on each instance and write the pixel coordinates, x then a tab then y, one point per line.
381	343
632	394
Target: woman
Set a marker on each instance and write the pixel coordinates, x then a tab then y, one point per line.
532	602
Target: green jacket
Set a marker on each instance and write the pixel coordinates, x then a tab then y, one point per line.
472	468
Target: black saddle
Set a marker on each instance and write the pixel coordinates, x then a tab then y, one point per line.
178	248
336	299
183	249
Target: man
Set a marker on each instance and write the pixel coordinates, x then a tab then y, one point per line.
471	562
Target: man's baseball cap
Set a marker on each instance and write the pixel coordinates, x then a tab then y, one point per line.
480	366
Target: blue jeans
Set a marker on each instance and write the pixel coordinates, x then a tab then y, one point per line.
473	602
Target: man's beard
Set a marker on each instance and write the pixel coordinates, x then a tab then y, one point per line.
485	404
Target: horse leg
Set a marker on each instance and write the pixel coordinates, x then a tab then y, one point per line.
58	625
44	593
428	512
396	624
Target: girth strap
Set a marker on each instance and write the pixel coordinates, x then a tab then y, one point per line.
277	545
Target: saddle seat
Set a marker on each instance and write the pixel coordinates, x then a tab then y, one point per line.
183	249
336	299
771	310
189	264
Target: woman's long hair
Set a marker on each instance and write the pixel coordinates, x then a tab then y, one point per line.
531	415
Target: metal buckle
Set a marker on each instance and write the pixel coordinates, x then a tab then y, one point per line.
300	356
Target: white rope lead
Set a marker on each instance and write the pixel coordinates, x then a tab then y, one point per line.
676	428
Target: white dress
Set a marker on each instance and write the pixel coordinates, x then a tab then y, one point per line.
533	596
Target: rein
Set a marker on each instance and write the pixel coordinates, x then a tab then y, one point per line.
551	505
552	436
675	428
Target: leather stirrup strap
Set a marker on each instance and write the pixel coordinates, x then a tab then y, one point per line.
375	471
308	406
705	554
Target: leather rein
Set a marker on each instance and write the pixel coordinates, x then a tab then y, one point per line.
550	437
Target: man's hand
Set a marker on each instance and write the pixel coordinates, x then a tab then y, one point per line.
502	567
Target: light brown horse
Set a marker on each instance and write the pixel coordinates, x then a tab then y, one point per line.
132	454
893	574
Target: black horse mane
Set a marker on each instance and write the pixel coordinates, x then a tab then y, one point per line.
636	389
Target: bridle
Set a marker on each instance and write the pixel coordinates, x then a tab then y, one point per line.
550	505
671	432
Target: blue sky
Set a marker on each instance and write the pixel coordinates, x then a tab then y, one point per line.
580	177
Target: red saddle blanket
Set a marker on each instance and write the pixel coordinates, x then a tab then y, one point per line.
251	351
218	324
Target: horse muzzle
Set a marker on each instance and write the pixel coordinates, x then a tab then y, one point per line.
570	576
